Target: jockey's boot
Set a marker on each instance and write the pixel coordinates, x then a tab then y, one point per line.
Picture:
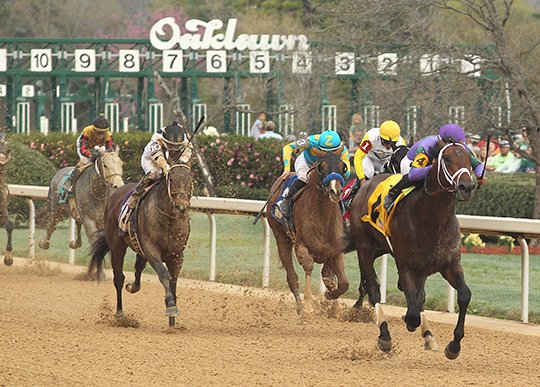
69	184
139	189
286	204
354	189
394	192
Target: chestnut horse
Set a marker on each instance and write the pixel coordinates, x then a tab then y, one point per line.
318	230
425	239
163	231
5	158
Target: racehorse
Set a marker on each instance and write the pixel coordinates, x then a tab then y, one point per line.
5	158
91	191
424	239
318	230
162	228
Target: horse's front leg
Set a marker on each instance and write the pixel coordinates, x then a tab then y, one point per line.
454	275
154	258
285	246
140	264
77	242
306	261
8	258
174	264
338	268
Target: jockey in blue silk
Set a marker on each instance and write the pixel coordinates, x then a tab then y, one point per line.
420	158
309	149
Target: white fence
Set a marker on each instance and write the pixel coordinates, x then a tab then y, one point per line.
515	227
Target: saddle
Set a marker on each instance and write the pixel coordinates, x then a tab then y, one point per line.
287	222
127	219
377	215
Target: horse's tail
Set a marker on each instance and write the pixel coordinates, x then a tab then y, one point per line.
100	248
347	243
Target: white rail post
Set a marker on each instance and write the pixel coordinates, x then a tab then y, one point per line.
213	241
383	277
451	300
71	252
524	279
266	264
32	227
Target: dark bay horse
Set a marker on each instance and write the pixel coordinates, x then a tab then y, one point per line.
5	158
425	239
318	225
163	230
91	191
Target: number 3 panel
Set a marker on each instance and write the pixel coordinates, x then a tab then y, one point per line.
216	61
345	63
259	62
85	60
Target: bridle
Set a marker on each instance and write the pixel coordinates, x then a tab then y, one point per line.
451	179
322	181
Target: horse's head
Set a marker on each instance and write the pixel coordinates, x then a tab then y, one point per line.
330	171
111	166
179	185
5	152
453	167
394	164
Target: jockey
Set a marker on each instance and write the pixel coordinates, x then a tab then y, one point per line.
327	141
421	156
171	138
93	138
374	152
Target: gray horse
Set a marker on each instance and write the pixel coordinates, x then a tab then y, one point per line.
5	158
91	191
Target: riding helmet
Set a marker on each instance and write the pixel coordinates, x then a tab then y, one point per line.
390	131
173	134
101	124
451	133
329	140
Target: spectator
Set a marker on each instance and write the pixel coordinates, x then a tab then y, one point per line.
268	129
502	161
356	133
522	141
472	143
258	125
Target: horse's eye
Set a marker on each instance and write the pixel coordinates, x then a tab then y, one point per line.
104	166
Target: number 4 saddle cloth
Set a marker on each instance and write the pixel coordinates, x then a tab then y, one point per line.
377	216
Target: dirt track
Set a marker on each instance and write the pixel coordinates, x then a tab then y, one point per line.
59	331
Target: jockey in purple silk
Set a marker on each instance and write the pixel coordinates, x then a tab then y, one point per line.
420	158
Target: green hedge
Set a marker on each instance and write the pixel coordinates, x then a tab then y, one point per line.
245	168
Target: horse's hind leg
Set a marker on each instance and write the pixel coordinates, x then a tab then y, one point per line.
413	287
8	258
117	262
54	218
140	264
430	344
77	242
454	275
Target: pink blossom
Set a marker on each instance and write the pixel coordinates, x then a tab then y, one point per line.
252	176
243	184
238	177
230	162
33	145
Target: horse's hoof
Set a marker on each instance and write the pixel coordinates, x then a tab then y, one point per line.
8	261
131	288
74	245
119	314
172	321
172	311
449	354
384	345
430	344
43	245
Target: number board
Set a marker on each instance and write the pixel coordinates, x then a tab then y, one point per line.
345	64
173	61
41	59
28	91
3	90
301	62
387	63
129	61
429	64
216	61
259	62
3	59
85	60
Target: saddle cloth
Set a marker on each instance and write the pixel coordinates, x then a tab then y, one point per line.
63	193
126	213
276	214
377	215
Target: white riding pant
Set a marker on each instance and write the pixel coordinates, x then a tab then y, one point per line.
149	166
371	165
301	167
405	165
